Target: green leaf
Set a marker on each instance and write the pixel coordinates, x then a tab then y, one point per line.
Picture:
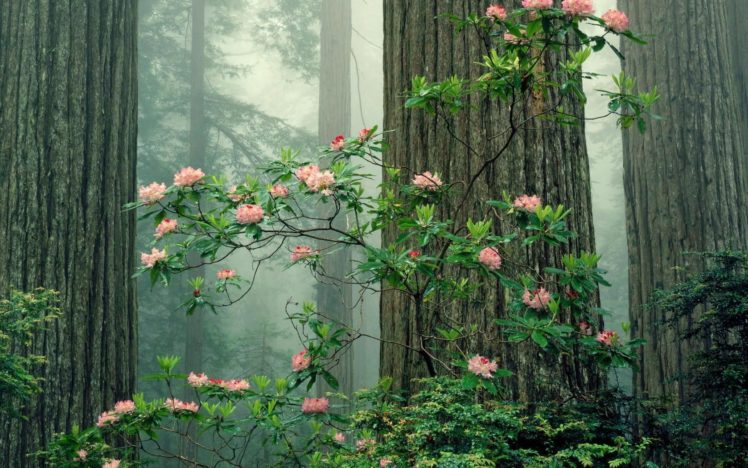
539	338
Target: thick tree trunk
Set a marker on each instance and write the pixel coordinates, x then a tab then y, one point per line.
685	178
68	119
335	299
545	159
737	14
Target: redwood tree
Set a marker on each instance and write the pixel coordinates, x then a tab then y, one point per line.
685	179
544	159
68	88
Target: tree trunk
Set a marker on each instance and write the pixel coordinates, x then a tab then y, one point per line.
685	178
737	14
334	299
546	159
68	116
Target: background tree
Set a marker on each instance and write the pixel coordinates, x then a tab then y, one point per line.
547	159
685	179
68	87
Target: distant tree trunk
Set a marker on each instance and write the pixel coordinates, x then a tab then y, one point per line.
68	119
737	14
547	160
335	300
685	178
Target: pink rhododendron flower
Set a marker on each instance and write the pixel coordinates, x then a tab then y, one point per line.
616	20
111	464
577	7
233	196
339	437
152	193
82	454
527	202
234	385
179	405
320	181
607	337
197	380
315	405
363	444
165	226
188	176
482	366
509	37
364	134
300	361
538	4
107	417
225	274
125	406
414	253
383	462
490	258
496	12
249	214
337	143
149	260
585	328
427	181
304	172
536	299
301	252
279	191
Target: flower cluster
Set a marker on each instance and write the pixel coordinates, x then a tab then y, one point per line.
496	12
315	405
233	196
150	194
607	337
616	20
249	214
225	274
537	4
337	143
300	361
279	191
179	405
482	366
490	258
233	385
527	202
363	444
364	134
315	179
536	299
301	252
197	380
427	181
165	226
577	7
188	177
150	259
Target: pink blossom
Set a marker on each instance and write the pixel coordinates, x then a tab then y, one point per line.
538	4
490	258
496	12
125	406
233	196
315	405
188	176
152	193
364	134
537	299
320	181
482	366
304	172
363	444
339	437
82	454
585	328
527	202
509	37
301	252
149	260
112	463
225	274
279	191
414	254
234	385
607	337
249	214
197	380
300	361
427	181
165	226
383	462
337	143
179	405
107	417
578	7
616	20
